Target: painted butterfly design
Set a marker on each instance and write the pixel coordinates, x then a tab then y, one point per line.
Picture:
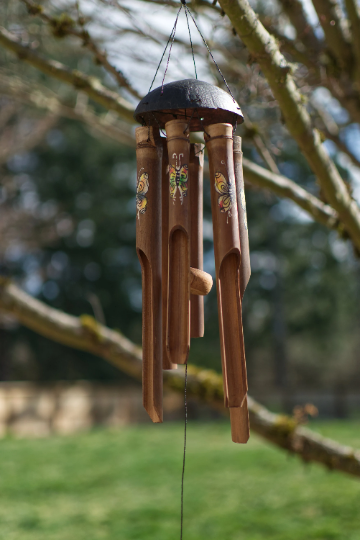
141	190
178	177
226	192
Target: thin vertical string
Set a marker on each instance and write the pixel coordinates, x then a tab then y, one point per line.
183	468
171	44
171	38
191	43
187	10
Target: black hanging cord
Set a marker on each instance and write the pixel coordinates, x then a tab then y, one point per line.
171	44
171	41
171	38
187	10
191	43
183	468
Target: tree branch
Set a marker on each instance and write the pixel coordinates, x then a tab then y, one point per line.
283	187
89	85
294	9
64	25
86	334
11	142
353	12
264	49
43	98
336	33
255	174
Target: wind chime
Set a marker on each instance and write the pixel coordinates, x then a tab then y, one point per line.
169	239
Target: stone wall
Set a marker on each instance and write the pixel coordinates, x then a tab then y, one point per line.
30	410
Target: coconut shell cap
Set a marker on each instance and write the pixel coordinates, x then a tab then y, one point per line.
198	102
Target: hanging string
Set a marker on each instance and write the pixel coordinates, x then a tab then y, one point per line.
187	10
183	468
171	38
191	43
171	44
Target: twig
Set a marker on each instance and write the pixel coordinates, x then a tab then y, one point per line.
336	33
353	12
283	187
277	71
89	85
43	98
12	142
255	174
294	9
64	25
86	334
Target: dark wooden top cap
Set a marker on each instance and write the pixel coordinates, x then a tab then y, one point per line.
199	102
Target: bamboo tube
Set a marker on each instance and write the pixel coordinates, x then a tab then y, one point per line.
148	247
167	364
227	261
245	269
178	327
240	427
196	169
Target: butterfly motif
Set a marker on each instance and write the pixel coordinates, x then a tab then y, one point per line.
141	190
226	192
178	177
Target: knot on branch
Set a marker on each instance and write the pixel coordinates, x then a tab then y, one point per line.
61	25
34	9
4	281
91	326
284	427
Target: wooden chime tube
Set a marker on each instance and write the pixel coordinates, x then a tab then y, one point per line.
178	326
219	142
148	247
196	171
245	269
167	364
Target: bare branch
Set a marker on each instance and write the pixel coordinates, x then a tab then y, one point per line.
43	98
64	25
277	71
341	146
252	133
353	12
13	142
283	187
89	85
294	9
86	334
336	32
330	130
256	175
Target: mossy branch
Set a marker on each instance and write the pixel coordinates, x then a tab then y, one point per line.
283	187
264	48
336	32
63	25
86	334
353	11
89	85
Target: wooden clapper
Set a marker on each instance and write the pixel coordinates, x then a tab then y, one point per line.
169	236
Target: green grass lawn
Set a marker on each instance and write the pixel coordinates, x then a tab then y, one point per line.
125	485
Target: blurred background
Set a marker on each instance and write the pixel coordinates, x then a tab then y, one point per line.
68	221
67	237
